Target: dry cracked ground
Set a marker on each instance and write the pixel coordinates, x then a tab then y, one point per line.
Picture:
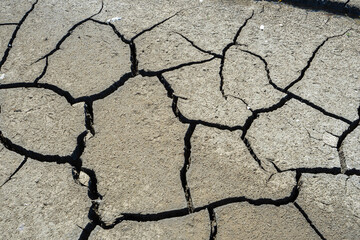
232	119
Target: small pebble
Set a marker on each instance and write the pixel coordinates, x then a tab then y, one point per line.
84	178
113	19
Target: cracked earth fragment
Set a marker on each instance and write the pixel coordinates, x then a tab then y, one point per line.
34	212
119	130
245	78
54	18
336	216
254	222
198	102
222	166
216	32
42	122
93	50
335	64
352	154
5	32
286	49
170	49
295	137
196	225
135	17
137	175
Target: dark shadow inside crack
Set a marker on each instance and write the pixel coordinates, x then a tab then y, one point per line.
186	166
334	7
213	224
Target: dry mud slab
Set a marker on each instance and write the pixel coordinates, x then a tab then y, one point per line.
179	119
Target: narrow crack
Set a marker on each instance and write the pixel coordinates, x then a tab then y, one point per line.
181	117
247	105
294	96
68	34
257	112
43	72
18	26
346	3
17	169
251	151
226	201
152	27
131	42
198	48
252	118
186	166
121	36
240	29
308	220
341	139
308	64
213	223
223	56
173	68
320	109
8	24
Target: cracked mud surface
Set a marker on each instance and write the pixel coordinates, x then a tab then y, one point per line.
181	120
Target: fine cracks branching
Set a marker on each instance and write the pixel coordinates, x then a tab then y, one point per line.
68	34
13	37
308	64
227	47
75	158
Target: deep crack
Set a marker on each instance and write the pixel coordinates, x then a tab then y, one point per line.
213	224
185	168
74	159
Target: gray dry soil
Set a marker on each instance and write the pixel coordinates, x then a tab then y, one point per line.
232	119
